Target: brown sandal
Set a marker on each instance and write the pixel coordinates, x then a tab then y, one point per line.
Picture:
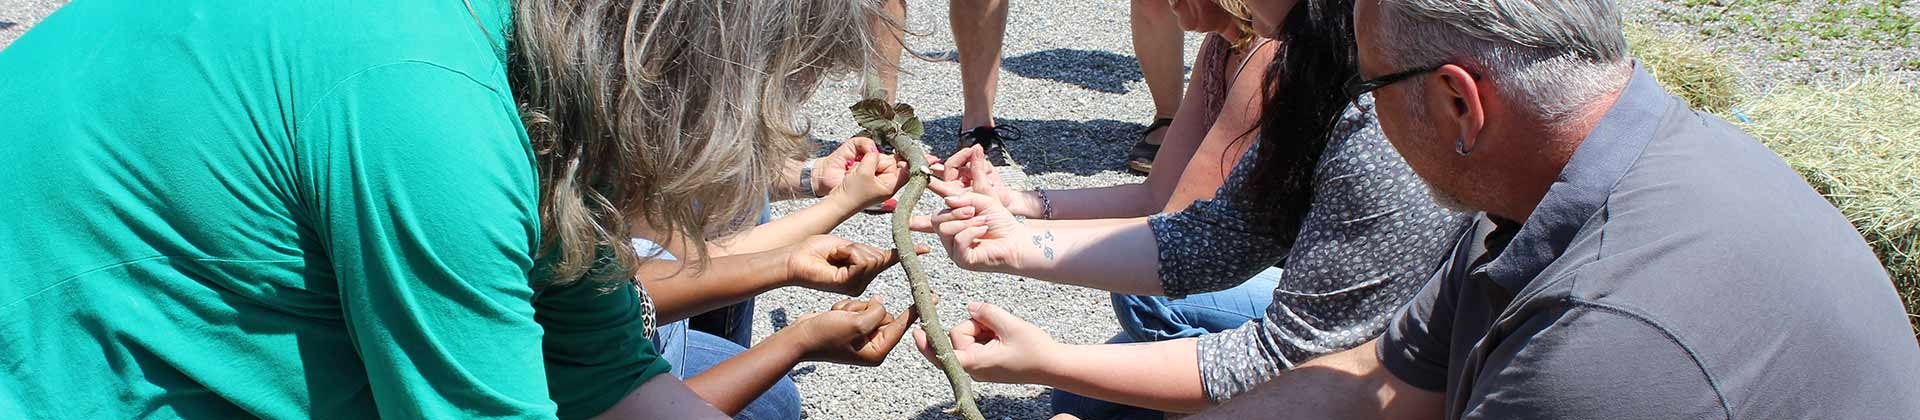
1141	157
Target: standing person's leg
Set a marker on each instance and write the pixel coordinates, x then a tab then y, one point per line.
979	32
889	47
1160	46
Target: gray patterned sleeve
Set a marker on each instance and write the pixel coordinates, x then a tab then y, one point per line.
1368	243
1218	243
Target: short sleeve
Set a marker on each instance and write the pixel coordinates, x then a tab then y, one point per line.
1591	362
1370	239
422	188
597	346
1218	243
1415	347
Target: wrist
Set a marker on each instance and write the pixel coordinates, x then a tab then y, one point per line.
788	345
809	184
1037	251
779	260
843	202
1025	204
1049	366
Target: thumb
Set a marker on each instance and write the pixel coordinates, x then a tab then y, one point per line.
999	320
869	166
870	317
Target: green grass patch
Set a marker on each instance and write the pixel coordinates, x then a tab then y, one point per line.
1874	23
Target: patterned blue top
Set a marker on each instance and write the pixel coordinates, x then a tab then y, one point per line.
1370	239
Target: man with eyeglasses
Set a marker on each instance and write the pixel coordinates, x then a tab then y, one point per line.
1635	258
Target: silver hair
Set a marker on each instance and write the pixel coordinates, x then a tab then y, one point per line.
1554	56
671	116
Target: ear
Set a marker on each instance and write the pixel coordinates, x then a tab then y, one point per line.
1463	107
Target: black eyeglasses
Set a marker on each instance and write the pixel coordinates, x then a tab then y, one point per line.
1358	86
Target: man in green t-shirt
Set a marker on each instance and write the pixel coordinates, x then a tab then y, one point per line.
331	209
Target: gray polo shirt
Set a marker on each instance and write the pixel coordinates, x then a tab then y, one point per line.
1676	269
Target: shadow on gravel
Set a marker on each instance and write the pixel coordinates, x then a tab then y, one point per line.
1053	146
997	407
1095	70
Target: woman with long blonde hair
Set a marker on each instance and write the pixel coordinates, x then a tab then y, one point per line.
379	209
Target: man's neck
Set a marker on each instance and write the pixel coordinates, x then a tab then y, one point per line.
1537	170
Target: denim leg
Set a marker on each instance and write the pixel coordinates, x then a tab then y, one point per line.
732	322
1157	318
701	351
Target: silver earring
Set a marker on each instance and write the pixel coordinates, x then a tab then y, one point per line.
1460	146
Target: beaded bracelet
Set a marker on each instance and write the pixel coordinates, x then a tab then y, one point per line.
1046	205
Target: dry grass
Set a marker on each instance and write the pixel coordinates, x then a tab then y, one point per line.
1859	145
1705	79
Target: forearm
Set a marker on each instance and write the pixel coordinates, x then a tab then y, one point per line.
663	397
680	292
1161	375
816	219
1119	201
1348	384
737	381
1117	255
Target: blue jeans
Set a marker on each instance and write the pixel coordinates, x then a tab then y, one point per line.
732	323
692	352
1157	318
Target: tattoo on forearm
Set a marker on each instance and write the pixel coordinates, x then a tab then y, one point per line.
1044	241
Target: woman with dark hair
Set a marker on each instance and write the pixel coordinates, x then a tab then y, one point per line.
1322	195
348	209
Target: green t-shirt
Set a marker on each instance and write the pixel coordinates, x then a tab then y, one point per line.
284	209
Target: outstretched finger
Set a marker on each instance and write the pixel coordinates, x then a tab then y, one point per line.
947	187
890	334
922	224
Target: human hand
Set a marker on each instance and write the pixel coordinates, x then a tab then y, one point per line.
980	234
872	178
830	264
969	171
996	346
852	332
830	170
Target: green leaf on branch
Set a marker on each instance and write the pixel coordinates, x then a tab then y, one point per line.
875	116
913	128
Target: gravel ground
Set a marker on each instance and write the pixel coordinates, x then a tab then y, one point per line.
18	15
1079	98
1776	42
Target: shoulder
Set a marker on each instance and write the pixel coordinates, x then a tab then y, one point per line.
1583	359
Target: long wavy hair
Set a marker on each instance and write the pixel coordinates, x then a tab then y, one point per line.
1304	101
672	115
1242	20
